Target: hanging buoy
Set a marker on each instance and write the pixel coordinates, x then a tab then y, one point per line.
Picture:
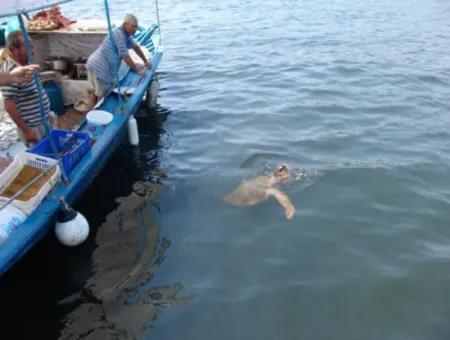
151	96
133	133
71	228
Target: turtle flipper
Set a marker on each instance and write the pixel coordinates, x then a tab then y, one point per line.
289	209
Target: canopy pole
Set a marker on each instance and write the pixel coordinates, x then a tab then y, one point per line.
39	88
157	18
116	61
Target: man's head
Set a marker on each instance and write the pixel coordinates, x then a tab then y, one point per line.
16	46
130	24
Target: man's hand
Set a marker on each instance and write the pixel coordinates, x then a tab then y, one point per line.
23	74
30	136
142	73
148	64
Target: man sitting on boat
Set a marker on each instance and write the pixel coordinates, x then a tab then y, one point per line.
100	64
22	99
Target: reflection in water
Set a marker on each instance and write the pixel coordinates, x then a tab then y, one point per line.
113	303
117	302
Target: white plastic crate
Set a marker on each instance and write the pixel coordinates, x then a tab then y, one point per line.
37	161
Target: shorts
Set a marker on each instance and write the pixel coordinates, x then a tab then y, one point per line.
100	88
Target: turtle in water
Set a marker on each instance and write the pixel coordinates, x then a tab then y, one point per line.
259	189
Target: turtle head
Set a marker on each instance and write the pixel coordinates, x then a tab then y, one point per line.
281	173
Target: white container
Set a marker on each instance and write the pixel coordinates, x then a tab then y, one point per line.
133	133
59	65
97	121
99	117
10	218
37	161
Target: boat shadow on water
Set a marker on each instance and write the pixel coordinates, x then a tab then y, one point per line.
101	288
115	301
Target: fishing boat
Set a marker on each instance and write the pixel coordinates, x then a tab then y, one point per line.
122	108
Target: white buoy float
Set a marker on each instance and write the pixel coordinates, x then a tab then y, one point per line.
71	228
151	96
133	133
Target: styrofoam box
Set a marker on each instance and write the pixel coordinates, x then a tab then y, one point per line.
37	161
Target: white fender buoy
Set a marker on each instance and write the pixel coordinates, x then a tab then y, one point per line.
133	133
71	228
151	97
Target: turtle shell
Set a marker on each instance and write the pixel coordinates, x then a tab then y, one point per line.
250	192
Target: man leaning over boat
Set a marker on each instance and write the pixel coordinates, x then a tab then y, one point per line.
100	65
22	99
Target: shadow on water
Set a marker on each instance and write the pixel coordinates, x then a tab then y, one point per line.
96	290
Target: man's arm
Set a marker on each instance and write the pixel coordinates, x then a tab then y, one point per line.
131	64
20	74
14	113
122	50
6	78
137	49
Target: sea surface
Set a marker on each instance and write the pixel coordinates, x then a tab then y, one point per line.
354	96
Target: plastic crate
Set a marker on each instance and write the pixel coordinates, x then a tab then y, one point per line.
71	146
20	160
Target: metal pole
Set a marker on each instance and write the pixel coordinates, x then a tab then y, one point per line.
116	61
39	88
157	18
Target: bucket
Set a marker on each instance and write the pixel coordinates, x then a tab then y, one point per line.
97	120
55	97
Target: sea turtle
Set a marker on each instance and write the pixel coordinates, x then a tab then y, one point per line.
259	189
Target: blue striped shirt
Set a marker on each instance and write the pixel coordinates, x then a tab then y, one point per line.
26	97
101	61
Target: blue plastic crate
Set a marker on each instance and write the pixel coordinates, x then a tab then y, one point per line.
71	146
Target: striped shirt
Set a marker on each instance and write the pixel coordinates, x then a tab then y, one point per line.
101	61
26	97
